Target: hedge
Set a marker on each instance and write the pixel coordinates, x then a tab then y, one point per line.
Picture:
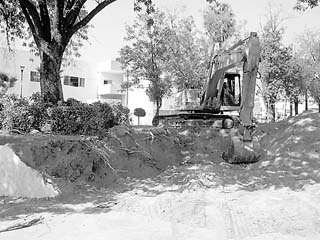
70	117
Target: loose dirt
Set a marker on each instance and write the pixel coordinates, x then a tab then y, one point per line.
198	196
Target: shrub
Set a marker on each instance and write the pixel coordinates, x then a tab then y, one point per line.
72	102
121	114
93	119
23	114
70	117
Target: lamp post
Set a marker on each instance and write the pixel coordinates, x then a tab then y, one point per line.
21	69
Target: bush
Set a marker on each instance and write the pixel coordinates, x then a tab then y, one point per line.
70	117
121	114
22	114
82	119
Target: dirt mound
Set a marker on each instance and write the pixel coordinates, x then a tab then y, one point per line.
17	179
204	144
98	162
292	142
292	156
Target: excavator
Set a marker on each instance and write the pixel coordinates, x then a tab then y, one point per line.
226	99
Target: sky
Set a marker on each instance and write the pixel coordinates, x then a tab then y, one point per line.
106	36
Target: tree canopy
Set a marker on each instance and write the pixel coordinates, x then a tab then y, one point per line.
305	4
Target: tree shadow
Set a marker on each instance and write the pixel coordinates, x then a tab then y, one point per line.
86	199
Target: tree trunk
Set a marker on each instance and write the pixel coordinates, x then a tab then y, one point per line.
306	100
50	82
291	109
138	121
158	106
319	106
271	111
296	107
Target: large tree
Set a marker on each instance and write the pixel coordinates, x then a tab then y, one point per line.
53	24
292	81
274	65
186	57
308	49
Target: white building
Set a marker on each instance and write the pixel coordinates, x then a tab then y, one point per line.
87	82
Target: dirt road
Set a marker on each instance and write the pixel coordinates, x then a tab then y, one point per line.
187	202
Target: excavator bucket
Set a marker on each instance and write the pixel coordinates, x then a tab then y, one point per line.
242	152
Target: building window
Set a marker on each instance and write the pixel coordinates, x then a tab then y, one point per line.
34	76
105	82
73	81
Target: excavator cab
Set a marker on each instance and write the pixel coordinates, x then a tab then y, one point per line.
231	91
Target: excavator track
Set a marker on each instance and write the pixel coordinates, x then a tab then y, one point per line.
195	119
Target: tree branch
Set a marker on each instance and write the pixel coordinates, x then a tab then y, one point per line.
93	13
31	25
45	19
59	19
74	11
69	5
32	12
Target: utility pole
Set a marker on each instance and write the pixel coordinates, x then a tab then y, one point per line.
21	69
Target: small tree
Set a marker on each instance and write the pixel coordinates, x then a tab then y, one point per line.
145	54
139	112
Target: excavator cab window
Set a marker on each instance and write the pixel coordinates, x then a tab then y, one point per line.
231	91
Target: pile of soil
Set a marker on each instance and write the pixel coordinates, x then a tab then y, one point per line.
204	144
124	152
295	141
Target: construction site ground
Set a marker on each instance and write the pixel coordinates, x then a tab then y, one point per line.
169	184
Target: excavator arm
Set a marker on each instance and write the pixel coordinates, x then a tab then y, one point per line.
250	70
242	143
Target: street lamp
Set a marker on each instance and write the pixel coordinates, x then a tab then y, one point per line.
21	69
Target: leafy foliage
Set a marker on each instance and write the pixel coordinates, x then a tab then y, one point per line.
71	117
219	22
305	4
293	80
186	63
145	55
309	58
274	66
5	83
139	112
22	114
